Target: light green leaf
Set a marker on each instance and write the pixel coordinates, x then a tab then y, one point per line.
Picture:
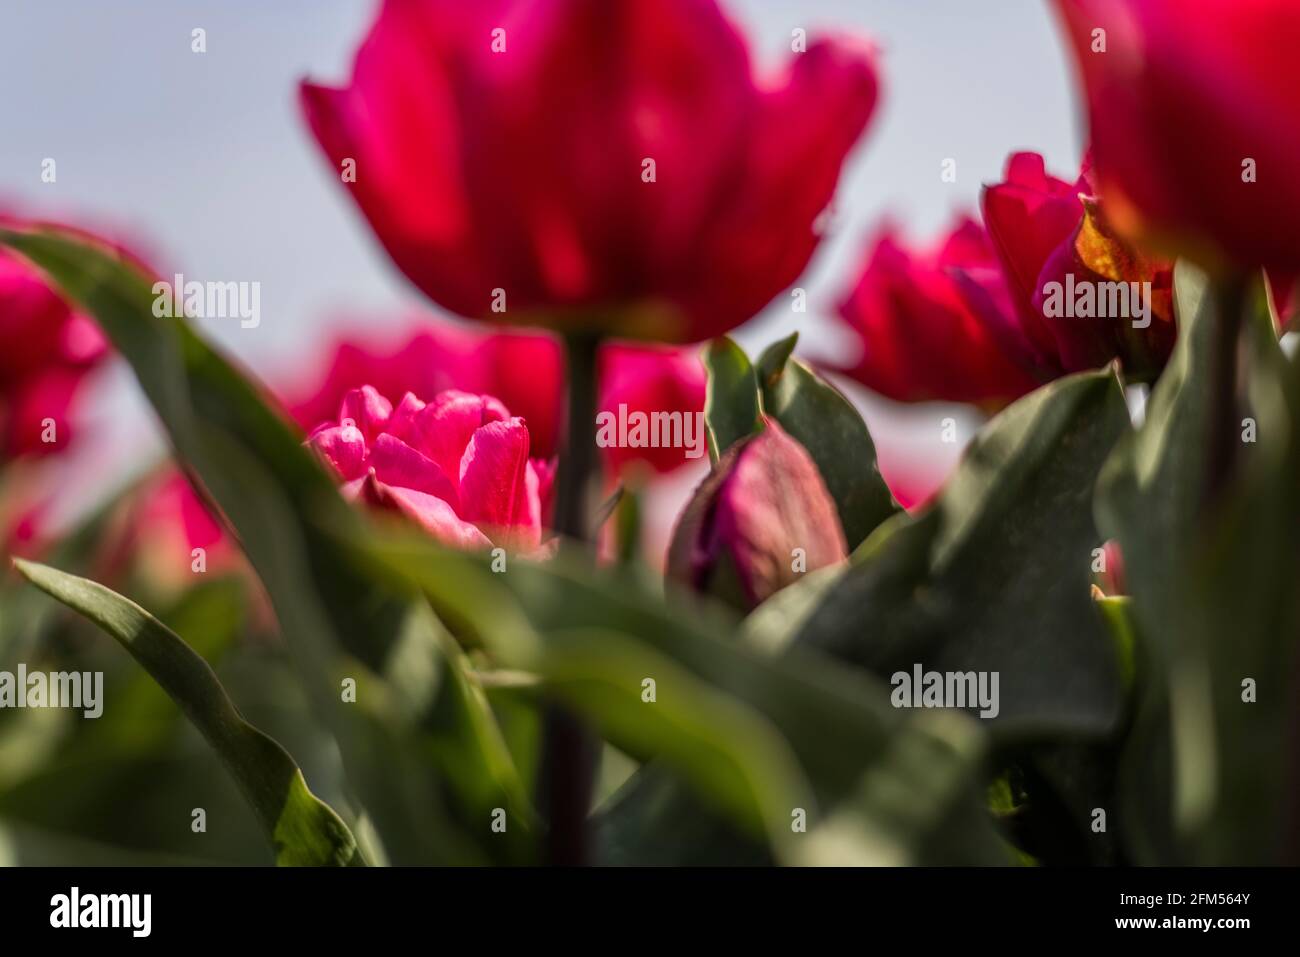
731	400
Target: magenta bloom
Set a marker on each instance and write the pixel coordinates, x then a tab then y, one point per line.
1047	231
606	164
936	324
760	521
459	465
524	370
46	349
1192	113
649	379
994	312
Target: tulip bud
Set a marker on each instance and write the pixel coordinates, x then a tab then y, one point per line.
760	520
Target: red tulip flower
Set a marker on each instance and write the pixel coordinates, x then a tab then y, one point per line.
607	165
993	313
1193	119
1054	238
920	338
459	465
761	520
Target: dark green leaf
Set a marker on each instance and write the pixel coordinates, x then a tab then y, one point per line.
749	732
993	577
1214	598
830	428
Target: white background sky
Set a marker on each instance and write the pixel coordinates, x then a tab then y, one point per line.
207	160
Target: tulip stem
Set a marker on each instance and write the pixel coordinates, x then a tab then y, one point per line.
1231	303
573	518
569	749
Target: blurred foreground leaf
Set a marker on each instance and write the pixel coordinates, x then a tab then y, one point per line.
758	737
302	829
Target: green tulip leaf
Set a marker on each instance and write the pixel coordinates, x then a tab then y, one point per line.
748	732
825	423
731	400
994	575
302	829
1213	596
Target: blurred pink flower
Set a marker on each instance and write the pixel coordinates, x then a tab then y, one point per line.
459	465
166	522
919	336
46	349
524	370
604	165
171	497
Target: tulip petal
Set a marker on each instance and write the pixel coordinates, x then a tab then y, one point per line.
431	513
446	425
395	463
397	121
922	335
1179	100
1029	216
343	447
495	491
366	409
401	424
804	130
